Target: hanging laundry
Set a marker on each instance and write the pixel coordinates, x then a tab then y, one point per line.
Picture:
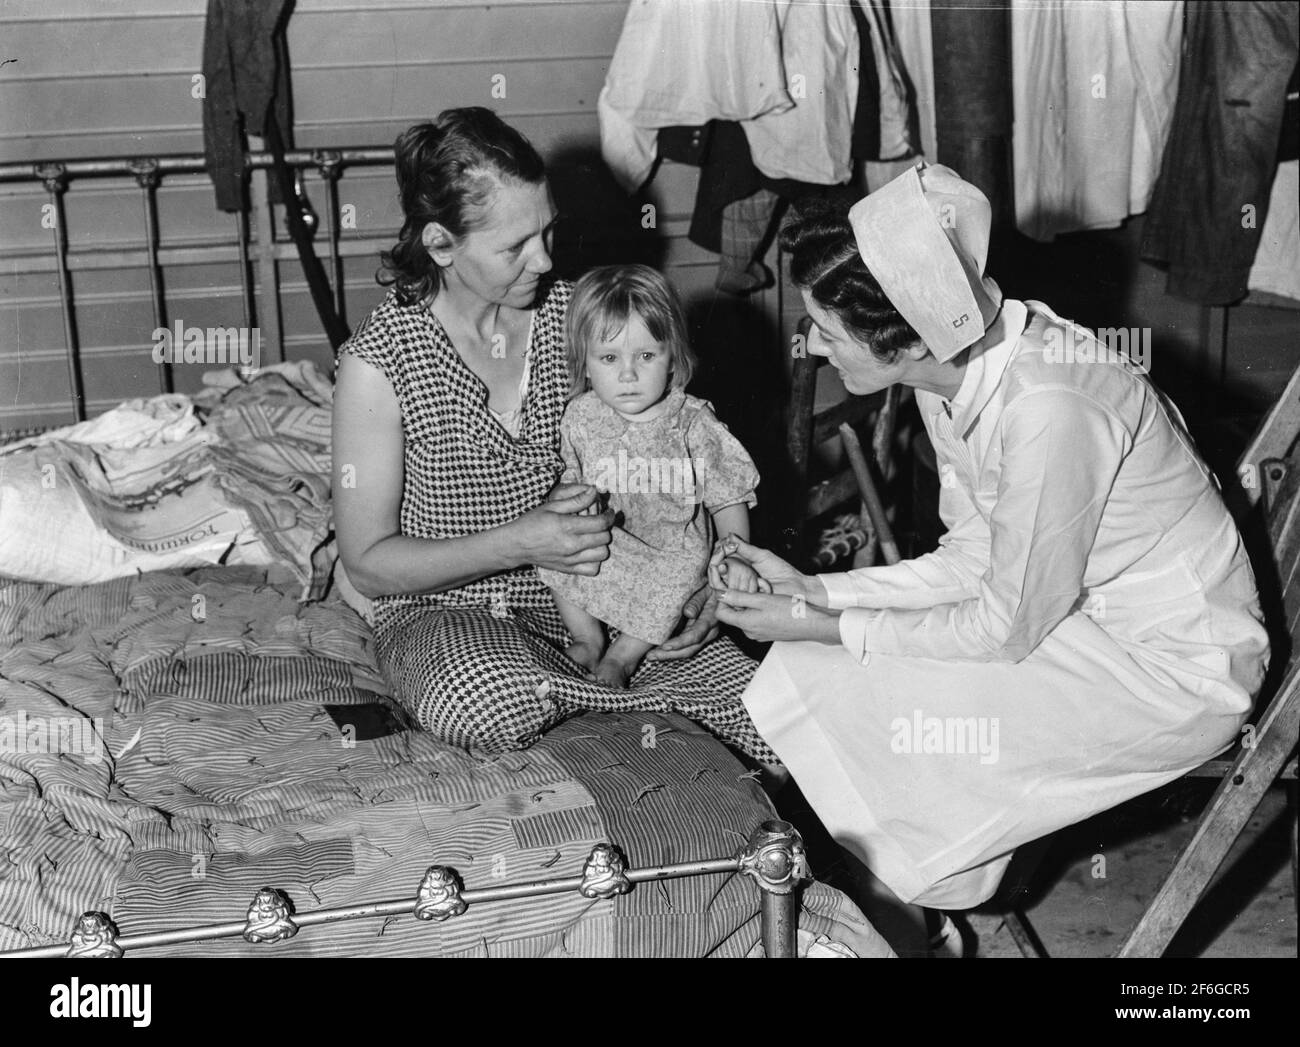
811	141
679	62
246	84
1093	89
1277	262
1276	269
735	203
745	227
911	23
682	62
727	174
886	127
1212	197
897	135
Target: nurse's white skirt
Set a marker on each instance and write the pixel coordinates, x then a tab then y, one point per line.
933	772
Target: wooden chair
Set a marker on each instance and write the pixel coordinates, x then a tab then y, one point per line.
807	429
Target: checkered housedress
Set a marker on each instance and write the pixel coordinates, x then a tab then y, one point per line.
483	666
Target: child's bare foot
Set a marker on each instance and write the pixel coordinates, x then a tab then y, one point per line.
613	672
586	653
621	661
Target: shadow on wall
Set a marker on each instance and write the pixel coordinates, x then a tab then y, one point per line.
742	373
600	223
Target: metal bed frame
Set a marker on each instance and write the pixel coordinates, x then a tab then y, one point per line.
774	856
258	245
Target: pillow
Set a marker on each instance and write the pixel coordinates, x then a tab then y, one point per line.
239	475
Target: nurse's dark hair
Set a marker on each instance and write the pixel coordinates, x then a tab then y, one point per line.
447	171
824	260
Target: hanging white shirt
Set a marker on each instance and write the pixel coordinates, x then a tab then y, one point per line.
1277	260
1093	87
787	70
811	140
911	23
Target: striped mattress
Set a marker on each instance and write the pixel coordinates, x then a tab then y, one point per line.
172	742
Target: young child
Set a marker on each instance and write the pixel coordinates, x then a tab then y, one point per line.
678	480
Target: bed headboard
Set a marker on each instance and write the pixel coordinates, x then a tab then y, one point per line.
253	244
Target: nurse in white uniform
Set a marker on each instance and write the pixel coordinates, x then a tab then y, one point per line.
1089	627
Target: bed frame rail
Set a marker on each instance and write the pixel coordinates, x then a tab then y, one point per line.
258	246
773	858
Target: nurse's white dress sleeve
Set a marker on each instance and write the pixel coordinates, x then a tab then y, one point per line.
1061	453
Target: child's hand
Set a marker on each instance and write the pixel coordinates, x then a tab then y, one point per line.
717	581
734	573
723	575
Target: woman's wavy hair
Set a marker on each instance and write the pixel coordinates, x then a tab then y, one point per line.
824	259
446	173
602	301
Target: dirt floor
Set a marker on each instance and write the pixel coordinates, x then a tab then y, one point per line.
1088	887
1079	906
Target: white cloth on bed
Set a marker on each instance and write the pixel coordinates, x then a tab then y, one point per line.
238	475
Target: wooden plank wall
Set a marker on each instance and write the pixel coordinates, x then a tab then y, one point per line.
114	77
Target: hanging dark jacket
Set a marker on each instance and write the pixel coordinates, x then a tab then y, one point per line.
1211	197
246	74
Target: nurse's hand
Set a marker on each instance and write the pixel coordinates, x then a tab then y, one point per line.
700	630
774	574
771	616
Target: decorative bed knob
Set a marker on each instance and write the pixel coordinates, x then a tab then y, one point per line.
268	917
775	857
145	169
605	873
53	174
439	895
95	938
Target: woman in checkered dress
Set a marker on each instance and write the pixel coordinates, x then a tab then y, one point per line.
446	454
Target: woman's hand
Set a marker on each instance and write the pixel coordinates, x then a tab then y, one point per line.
773	616
566	489
701	629
561	534
774	574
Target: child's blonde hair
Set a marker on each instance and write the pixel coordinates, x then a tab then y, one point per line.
602	301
